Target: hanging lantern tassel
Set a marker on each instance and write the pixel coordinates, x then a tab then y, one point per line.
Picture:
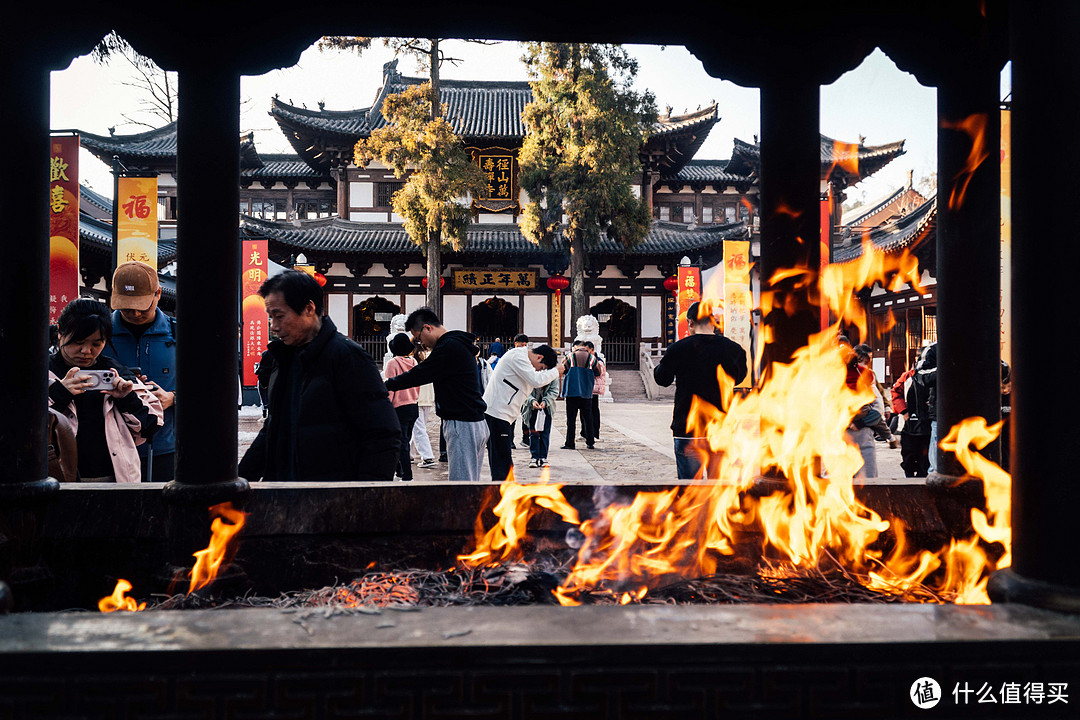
558	283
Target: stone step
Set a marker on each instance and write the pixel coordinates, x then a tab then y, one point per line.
626	384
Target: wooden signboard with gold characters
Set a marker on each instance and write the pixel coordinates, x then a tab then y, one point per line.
499	166
471	279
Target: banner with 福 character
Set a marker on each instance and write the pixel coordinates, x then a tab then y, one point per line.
254	264
738	302
689	293
136	220
63	223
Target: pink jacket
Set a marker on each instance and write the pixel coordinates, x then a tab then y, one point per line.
122	431
600	381
394	367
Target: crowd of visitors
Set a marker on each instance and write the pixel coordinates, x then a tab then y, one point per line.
329	415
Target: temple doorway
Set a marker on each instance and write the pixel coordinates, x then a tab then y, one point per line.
619	330
371	324
494	319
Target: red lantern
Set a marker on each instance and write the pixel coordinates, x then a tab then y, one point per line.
558	283
671	284
320	278
424	282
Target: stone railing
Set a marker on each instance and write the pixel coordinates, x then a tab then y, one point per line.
648	356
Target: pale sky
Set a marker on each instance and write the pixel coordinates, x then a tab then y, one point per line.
875	100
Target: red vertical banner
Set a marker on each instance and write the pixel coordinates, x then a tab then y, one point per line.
256	333
63	223
689	293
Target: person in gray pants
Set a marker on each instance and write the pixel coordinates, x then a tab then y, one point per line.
451	368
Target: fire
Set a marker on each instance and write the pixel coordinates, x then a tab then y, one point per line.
845	157
518	504
975	127
228	521
119	599
208	561
791	429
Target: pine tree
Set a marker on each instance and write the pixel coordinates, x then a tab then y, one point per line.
420	139
580	159
441	175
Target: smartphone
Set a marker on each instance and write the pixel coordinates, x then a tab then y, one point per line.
102	379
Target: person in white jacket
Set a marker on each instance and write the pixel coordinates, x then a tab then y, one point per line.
519	371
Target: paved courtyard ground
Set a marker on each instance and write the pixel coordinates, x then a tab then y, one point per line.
635	445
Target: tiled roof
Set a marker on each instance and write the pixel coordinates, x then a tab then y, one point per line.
151	146
477	110
88	196
707	171
282	166
894	236
345	237
836	157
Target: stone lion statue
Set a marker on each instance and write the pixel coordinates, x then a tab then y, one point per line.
397	325
588	328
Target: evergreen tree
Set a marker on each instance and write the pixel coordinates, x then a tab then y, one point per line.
419	138
580	158
433	200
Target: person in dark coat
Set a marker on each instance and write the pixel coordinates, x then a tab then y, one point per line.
453	370
692	363
330	416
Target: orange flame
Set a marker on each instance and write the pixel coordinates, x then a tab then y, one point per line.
845	157
793	425
228	521
975	127
119	599
517	505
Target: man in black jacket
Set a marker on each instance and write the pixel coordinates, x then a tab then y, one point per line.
459	400
692	364
330	416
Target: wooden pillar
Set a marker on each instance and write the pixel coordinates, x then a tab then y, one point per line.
790	191
1044	450
207	285
968	255
24	84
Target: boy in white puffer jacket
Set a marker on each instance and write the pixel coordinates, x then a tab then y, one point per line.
519	371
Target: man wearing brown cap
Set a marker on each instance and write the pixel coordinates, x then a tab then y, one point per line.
144	337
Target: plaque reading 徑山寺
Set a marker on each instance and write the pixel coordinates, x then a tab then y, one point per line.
499	167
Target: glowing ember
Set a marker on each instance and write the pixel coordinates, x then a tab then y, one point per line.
793	424
119	600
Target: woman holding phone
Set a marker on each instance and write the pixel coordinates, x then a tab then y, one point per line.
110	409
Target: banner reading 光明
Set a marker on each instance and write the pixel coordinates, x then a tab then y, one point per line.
256	333
63	223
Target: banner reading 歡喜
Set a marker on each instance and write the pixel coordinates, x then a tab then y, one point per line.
689	293
136	220
738	302
63	223
256	333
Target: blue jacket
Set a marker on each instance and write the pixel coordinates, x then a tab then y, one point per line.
155	353
581	370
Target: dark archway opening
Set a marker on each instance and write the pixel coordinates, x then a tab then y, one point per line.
371	323
495	319
619	330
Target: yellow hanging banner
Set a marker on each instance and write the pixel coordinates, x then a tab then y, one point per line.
738	303
136	220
